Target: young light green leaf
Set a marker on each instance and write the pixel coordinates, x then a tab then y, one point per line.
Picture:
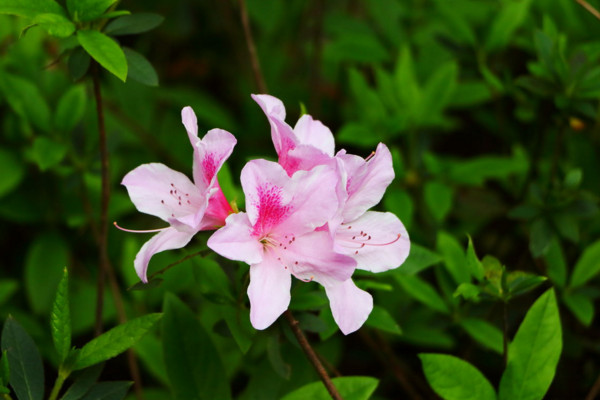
60	319
540	237
133	24
12	171
70	109
193	365
455	379
587	266
87	10
26	100
380	318
422	291
581	306
116	390
26	370
438	198
55	24
83	382
510	17
533	354
139	68
468	291
104	50
473	261
47	153
30	8
349	387
556	266
115	341
454	257
485	333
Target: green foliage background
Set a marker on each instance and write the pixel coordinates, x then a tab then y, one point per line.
490	109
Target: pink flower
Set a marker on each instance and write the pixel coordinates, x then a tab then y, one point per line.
278	237
188	207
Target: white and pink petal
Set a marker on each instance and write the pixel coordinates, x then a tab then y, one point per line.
235	240
350	305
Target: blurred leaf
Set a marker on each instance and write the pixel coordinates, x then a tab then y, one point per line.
455	379
26	370
381	319
422	291
573	178
212	281
193	364
12	171
534	352
116	390
60	319
438	198
83	383
475	171
47	153
438	90
349	387
540	236
587	266
87	10
399	202
357	134
139	68
512	14
418	259
484	333
238	322
493	272
567	226
150	351
4	370
308	301
115	14
70	109
473	262
519	282
556	267
105	50
30	8
581	306
8	287
133	24
282	369
454	257
112	343
406	80
55	24
26	100
470	93
46	258
79	63
468	291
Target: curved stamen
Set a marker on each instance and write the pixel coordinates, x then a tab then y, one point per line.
138	231
359	244
370	156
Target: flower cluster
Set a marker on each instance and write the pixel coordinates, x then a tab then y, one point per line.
307	215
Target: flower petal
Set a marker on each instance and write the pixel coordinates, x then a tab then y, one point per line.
367	181
234	240
305	157
211	152
377	241
167	239
314	133
158	190
269	292
350	305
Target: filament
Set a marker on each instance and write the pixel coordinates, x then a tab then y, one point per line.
138	231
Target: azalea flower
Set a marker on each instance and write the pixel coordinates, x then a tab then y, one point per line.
281	235
188	207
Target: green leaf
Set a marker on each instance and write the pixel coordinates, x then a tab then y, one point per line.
105	50
46	258
454	257
510	17
406	80
26	100
581	306
133	24
400	203
238	322
587	266
55	24
193	365
533	354
418	259
438	198
519	282
381	319
47	153
112	343
282	368
83	382
26	370
484	333
70	109
12	171
8	287
30	8
422	291
540	237
349	387
139	68
60	319
476	171
473	262
116	390
438	90
87	10
79	63
4	369
455	379
213	282
468	291
556	266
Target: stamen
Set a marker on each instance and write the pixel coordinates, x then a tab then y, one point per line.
138	231
370	156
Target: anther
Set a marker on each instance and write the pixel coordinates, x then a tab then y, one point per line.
137	231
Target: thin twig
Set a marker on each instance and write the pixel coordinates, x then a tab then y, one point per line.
105	269
310	353
505	333
258	76
168	267
589	7
594	390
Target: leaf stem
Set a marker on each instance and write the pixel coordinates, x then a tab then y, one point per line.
60	379
312	356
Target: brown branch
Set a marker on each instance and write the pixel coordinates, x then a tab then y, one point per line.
105	268
589	7
310	353
258	76
594	390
